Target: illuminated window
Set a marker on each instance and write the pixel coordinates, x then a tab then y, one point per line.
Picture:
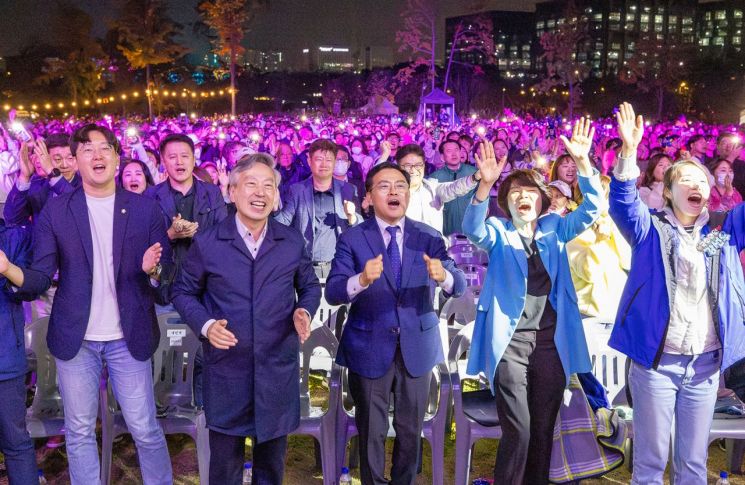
614	16
720	15
737	13
718	41
658	19
737	40
644	18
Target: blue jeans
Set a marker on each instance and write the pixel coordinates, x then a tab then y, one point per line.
15	443
683	387
132	381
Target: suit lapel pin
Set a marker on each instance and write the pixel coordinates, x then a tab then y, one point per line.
124	211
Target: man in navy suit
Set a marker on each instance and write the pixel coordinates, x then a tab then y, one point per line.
321	207
237	289
387	267
47	172
108	245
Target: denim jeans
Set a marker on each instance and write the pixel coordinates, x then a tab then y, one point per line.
15	443
683	387
132	381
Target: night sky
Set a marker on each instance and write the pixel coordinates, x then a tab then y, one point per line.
288	25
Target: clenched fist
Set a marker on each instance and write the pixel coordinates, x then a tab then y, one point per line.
435	269
373	270
151	258
351	211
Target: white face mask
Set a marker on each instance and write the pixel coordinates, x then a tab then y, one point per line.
341	167
356	150
721	178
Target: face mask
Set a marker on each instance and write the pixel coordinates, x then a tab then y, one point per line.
720	178
356	150
340	168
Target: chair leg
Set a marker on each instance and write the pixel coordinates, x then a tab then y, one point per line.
438	460
462	455
354	452
318	455
203	449
419	457
735	451
328	454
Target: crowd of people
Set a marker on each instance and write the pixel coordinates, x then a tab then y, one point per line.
242	224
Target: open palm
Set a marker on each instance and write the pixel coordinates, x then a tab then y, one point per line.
489	167
630	127
579	145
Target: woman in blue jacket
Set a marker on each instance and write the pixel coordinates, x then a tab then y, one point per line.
528	335
680	319
15	442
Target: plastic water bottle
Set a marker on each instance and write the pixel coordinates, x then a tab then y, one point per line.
723	479
345	479
247	473
43	481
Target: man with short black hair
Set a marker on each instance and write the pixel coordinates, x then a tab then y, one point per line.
454	169
321	207
47	169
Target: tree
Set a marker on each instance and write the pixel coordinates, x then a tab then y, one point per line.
82	62
146	38
418	37
657	66
471	35
560	57
229	18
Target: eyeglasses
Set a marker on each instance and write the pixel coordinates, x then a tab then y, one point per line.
104	149
410	167
385	187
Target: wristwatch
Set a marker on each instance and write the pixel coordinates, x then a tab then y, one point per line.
155	272
54	173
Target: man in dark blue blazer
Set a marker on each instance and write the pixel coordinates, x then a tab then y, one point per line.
108	245
187	203
237	289
52	172
387	267
321	207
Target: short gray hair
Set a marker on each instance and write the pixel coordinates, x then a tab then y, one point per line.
248	162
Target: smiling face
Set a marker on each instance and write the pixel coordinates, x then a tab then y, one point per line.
254	193
500	149
524	202
687	190
413	164
389	195
63	160
660	168
567	171
179	161
97	163
133	178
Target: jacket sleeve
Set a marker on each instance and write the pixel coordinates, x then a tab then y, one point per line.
342	268
447	191
188	287
734	225
476	228
306	284
287	214
17	248
587	212
38	277
61	186
158	233
17	210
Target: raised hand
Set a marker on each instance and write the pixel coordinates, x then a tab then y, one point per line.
386	149
151	258
435	269
220	337
351	211
630	129
25	164
579	145
302	324
489	167
373	270
44	158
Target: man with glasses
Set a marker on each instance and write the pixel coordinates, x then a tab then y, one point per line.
108	245
47	169
321	207
427	194
387	268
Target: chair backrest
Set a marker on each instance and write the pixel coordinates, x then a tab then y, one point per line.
468	254
173	362
47	399
324	312
320	337
456	239
608	365
460	310
474	273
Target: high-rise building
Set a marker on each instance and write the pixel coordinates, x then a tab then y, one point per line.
720	28
328	58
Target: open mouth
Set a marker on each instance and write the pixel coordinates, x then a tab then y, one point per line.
258	204
134	186
695	199
180	170
99	168
394	203
524	207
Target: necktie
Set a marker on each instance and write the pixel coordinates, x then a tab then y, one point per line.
394	256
